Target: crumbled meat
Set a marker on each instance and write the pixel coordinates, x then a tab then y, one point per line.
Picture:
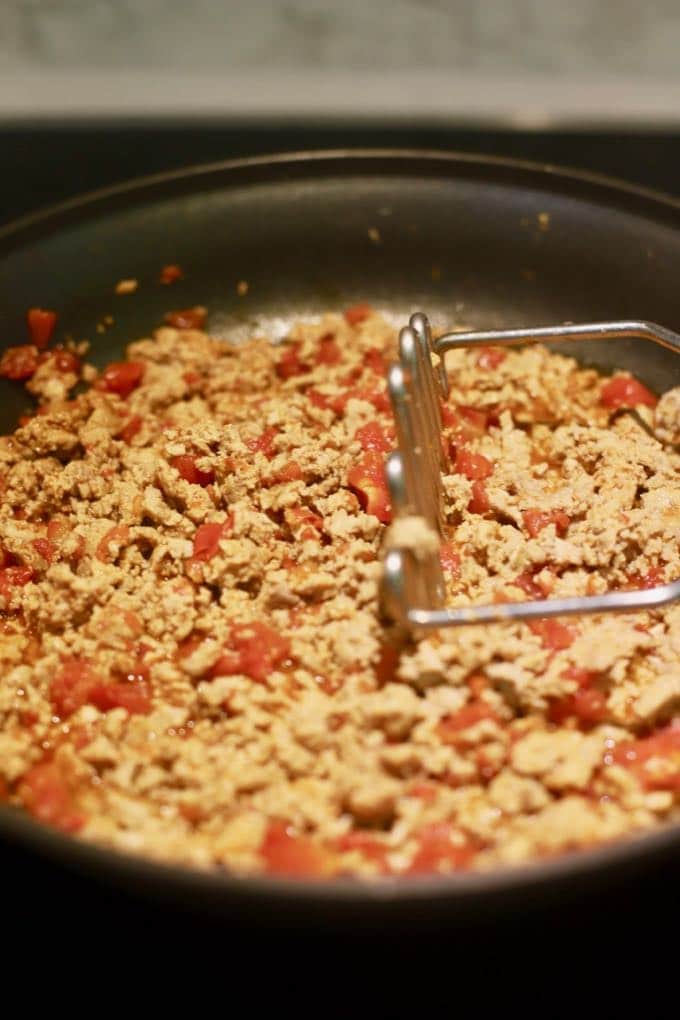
194	663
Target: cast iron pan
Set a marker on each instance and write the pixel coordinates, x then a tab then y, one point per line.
458	237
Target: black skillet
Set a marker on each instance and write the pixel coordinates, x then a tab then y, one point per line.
477	241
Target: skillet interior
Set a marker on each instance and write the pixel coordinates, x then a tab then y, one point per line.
477	242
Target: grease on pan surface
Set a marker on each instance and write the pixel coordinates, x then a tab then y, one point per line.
193	665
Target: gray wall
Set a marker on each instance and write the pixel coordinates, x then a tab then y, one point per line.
457	59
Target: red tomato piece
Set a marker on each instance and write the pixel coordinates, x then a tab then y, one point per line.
368	846
378	398
41	323
207	539
46	795
469	715
374	359
255	650
357	313
190	472
526	582
121	377
290	363
71	687
328	352
372	437
45	548
474	466
587	705
655	760
651	579
264	442
13	577
450	559
62	361
554	635
171	273
626	391
437	851
290	472
286	853
134	697
187	318
476	421
131	428
19	362
490	358
367	480
319	400
479	504
117	536
536	520
303	517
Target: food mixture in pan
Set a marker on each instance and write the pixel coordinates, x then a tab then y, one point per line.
194	667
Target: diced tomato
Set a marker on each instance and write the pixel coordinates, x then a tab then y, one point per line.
655	760
207	539
479	504
367	480
626	391
190	472
45	548
554	635
187	318
588	704
426	792
286	853
253	649
374	359
450	559
290	472
328	352
70	689
529	585
46	795
301	517
357	313
651	579
536	520
171	273
117	536
13	577
372	437
475	420
63	361
469	715
264	442
490	358
365	844
319	399
290	363
474	466
19	362
121	377
131	428
378	398
134	697
41	323
437	851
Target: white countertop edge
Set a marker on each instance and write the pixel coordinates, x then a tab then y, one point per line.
527	101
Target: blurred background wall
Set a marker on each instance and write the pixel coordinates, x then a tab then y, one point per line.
521	62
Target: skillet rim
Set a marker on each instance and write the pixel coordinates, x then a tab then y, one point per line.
457	889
